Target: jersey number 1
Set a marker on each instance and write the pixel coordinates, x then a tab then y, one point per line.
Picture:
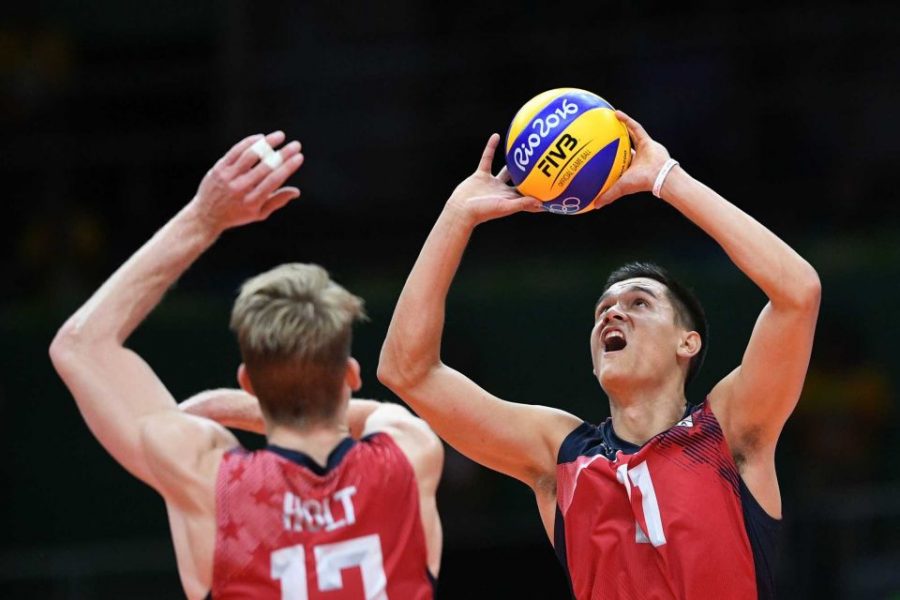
289	567
639	477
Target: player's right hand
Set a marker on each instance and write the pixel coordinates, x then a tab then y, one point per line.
649	157
483	196
241	188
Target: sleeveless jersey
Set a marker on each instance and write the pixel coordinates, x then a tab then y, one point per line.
669	519
290	529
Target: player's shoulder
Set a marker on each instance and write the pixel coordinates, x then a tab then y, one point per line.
381	446
184	452
174	435
396	421
409	434
587	439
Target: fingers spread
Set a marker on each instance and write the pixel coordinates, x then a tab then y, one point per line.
267	165
504	175
276	138
232	155
634	128
487	157
609	196
263	190
278	199
509	206
255	151
530	204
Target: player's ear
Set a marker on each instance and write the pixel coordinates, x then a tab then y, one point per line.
244	380
352	377
690	344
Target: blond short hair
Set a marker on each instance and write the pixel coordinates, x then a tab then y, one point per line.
294	327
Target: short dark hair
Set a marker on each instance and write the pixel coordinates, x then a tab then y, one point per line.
688	309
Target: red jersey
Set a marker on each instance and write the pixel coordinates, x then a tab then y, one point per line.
290	529
669	519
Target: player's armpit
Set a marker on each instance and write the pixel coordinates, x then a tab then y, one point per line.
755	400
183	452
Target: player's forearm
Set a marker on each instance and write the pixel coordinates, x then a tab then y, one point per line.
412	345
87	351
237	409
113	387
128	296
783	275
229	407
358	413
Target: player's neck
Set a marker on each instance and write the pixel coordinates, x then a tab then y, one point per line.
642	414
316	441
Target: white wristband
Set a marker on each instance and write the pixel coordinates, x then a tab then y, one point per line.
661	178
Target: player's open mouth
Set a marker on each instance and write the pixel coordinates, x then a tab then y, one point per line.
613	341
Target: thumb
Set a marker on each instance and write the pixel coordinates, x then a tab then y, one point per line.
616	191
278	199
520	204
529	204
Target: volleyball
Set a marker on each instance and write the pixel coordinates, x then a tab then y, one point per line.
566	147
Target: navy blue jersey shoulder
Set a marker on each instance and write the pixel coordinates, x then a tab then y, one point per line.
590	440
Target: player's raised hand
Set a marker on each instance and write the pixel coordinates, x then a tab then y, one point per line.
483	196
649	158
245	185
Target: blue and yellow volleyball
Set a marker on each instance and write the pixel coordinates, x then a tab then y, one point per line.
566	147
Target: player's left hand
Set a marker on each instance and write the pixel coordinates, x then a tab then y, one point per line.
649	157
483	196
243	187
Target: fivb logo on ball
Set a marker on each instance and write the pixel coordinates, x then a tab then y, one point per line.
566	147
544	126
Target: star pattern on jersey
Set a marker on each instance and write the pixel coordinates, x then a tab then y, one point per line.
237	473
230	530
263	496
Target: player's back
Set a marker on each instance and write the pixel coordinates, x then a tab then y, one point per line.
289	528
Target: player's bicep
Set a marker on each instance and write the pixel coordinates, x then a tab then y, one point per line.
519	440
756	399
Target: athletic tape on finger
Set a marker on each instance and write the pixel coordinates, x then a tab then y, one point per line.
262	148
273	160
